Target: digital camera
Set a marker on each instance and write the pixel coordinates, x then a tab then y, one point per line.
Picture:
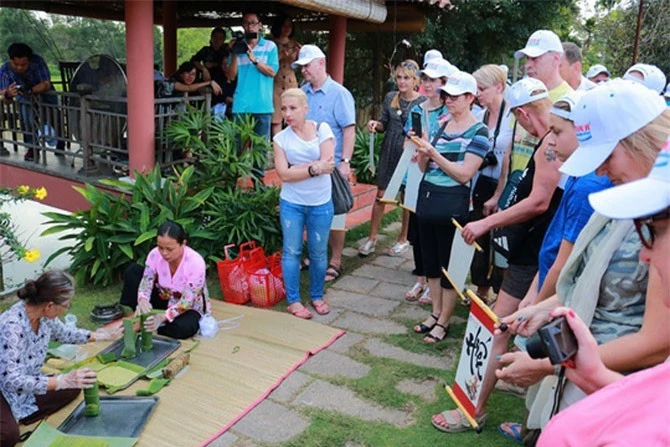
489	160
554	340
241	39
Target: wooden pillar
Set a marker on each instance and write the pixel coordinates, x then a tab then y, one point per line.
169	37
336	44
140	68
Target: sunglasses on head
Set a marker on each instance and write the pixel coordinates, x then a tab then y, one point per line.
645	228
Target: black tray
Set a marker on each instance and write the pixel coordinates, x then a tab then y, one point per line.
163	347
123	416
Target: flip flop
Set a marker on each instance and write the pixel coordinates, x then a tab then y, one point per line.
515	428
333	271
321	307
456	421
303	313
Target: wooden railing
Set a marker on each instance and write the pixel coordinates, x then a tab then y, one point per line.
93	129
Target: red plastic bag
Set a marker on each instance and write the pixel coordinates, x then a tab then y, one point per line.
233	276
264	277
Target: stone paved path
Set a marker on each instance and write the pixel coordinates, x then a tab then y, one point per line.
368	303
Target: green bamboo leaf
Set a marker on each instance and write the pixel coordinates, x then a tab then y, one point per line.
126	250
55	229
145	237
89	244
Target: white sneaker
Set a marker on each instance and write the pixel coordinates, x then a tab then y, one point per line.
368	248
398	248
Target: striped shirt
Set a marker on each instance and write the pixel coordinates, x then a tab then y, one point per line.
254	89
453	147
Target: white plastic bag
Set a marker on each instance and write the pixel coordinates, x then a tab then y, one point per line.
208	326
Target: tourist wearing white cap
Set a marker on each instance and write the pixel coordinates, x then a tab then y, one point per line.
433	113
620	126
571	68
330	102
598	74
622	410
648	75
449	159
430	55
525	222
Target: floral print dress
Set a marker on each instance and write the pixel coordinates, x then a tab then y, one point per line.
23	352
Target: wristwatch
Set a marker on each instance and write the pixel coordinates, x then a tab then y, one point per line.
255	62
346	160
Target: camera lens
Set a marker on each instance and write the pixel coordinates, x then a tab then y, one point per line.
536	347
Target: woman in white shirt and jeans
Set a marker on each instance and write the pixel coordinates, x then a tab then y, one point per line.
304	159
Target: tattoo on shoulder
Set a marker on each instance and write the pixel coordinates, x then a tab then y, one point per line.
550	154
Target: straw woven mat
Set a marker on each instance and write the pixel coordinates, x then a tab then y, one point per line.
227	375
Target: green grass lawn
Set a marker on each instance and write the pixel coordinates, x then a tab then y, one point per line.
332	429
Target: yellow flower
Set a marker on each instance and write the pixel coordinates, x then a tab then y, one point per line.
41	193
32	255
22	190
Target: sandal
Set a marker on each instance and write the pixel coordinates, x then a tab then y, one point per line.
416	290
398	248
425	297
512	431
368	248
333	272
454	421
431	338
304	264
321	307
301	312
508	388
423	328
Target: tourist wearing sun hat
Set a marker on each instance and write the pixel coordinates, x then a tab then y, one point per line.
640	399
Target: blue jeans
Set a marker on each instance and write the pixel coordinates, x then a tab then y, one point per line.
261	128
317	219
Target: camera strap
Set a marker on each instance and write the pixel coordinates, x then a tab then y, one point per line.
558	392
496	132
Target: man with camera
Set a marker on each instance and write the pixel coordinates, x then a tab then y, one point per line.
23	75
211	60
254	62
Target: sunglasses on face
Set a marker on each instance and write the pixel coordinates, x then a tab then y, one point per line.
444	96
645	227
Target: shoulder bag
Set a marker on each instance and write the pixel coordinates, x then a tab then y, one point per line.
343	198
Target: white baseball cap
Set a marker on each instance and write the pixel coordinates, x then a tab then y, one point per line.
459	83
437	68
667	91
539	43
572	99
431	54
525	91
604	116
640	198
307	54
652	76
596	69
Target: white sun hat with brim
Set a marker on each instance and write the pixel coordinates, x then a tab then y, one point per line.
525	91
652	76
606	115
640	198
437	68
460	83
596	69
540	42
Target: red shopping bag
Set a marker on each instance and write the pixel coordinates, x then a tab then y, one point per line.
232	274
264	278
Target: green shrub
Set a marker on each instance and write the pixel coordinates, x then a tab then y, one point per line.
121	228
360	161
203	197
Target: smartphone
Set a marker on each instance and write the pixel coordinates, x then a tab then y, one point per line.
250	36
416	124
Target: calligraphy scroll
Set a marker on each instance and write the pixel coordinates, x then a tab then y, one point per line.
339	222
414	176
399	174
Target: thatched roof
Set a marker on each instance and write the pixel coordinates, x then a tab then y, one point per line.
206	13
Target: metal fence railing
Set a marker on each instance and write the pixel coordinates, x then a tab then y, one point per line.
93	129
